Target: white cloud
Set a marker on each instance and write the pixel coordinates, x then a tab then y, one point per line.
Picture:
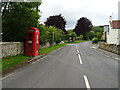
97	11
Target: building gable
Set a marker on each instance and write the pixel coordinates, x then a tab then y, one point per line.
116	24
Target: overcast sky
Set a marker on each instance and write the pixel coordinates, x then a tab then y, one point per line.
98	11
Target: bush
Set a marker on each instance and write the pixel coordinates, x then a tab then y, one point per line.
96	40
101	40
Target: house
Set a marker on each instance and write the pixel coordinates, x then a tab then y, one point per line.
104	36
113	31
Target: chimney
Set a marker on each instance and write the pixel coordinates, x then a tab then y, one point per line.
110	19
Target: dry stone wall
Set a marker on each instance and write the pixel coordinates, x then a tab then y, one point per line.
110	47
11	48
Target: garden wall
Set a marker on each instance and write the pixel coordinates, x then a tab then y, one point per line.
110	47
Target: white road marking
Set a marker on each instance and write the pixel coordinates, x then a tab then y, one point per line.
87	83
29	60
7	76
106	55
33	62
102	53
117	58
38	60
44	57
78	51
93	47
97	51
80	59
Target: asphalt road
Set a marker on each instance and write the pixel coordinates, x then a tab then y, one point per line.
73	66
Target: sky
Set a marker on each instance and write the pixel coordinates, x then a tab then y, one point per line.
98	11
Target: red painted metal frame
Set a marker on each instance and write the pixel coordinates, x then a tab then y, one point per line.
33	45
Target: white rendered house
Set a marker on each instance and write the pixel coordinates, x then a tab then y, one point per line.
113	33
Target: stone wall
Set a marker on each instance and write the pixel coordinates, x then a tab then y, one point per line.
110	47
48	44
11	48
45	46
15	48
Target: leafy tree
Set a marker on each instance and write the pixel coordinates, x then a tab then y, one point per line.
57	21
98	35
58	36
97	31
90	35
50	34
16	17
44	32
83	26
71	35
79	37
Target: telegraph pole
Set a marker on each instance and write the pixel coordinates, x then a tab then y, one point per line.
53	37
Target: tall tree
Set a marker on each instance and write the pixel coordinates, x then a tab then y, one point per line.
16	17
83	26
57	21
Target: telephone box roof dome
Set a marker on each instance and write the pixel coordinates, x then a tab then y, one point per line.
33	28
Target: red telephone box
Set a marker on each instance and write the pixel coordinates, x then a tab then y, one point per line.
32	41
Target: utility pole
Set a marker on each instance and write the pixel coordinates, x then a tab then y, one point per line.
53	37
38	13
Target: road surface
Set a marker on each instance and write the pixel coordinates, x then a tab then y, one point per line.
73	66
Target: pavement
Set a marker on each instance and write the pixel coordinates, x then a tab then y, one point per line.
80	65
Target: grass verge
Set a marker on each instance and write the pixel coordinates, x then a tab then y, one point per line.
49	49
12	61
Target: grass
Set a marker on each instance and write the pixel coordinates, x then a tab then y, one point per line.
0	66
49	49
75	42
12	61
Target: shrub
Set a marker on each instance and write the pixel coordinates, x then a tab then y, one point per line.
95	40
